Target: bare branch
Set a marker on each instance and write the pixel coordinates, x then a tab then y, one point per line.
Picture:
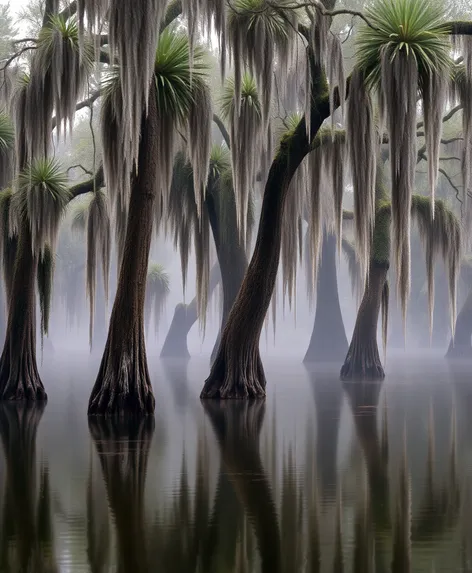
79	166
92	184
17	55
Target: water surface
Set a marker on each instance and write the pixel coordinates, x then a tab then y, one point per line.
316	478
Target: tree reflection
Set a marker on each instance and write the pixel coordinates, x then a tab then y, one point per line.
237	426
26	530
122	446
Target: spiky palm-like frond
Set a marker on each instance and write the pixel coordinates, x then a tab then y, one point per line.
259	34
98	247
45	280
180	89
7	133
42	198
413	27
157	290
408	51
7	145
245	120
60	61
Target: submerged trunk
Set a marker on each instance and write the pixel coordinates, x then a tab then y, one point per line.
185	316
123	449
460	346
328	341
19	376
123	381
237	427
230	251
237	370
363	360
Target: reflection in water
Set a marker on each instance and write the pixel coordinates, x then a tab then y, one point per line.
26	538
319	478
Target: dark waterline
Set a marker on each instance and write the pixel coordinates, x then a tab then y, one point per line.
372	478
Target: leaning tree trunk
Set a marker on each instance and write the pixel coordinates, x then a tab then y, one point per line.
328	341
237	370
19	376
363	360
230	252
237	428
123	449
460	346
123	381
185	316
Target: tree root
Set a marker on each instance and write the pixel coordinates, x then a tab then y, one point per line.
237	383
363	366
123	388
21	383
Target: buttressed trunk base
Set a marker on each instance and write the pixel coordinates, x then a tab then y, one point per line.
123	383
19	376
363	359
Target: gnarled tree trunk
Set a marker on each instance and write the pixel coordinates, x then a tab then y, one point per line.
185	316
237	370
363	360
230	252
19	376
123	449
328	341
460	346
123	381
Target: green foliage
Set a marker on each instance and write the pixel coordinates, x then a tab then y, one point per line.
7	133
45	276
42	198
157	290
413	26
249	96
177	76
158	278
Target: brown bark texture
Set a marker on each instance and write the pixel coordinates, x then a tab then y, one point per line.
231	254
328	341
237	370
363	359
123	383
19	376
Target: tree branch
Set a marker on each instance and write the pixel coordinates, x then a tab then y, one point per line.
223	130
95	182
79	166
16	55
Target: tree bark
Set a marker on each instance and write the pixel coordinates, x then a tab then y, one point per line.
185	316
19	376
230	252
460	346
237	370
363	360
328	341
237	428
123	382
123	449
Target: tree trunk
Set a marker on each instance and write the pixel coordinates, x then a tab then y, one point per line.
460	346
328	341
123	382
363	360
237	370
19	376
230	252
123	449
237	427
185	316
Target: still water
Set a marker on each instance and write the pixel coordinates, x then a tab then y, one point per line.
317	478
